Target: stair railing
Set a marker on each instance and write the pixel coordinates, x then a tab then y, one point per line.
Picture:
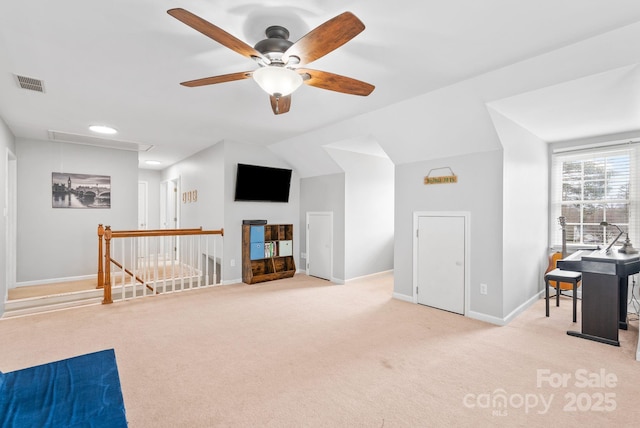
159	261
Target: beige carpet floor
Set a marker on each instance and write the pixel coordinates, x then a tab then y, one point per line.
305	353
29	291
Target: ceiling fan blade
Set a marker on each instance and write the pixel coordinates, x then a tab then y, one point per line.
216	33
218	79
325	38
280	105
335	82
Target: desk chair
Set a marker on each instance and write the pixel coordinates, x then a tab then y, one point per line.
557	277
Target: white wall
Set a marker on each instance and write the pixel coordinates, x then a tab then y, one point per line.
273	212
325	193
526	208
526	211
369	211
7	144
62	243
212	172
204	173
478	191
448	124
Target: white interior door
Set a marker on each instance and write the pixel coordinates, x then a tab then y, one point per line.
172	205
441	262
169	215
320	245
143	197
142	244
169	204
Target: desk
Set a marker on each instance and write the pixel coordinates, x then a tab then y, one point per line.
604	292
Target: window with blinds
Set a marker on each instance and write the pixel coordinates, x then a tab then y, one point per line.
593	186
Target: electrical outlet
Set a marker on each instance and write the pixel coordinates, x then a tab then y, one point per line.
232	262
483	288
303	255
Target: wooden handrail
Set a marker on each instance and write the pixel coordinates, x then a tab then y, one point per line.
106	234
152	230
163	232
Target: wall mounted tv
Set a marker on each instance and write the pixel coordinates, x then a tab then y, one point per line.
262	183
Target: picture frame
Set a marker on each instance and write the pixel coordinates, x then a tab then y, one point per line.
80	191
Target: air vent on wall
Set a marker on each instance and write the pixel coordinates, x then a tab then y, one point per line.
30	83
88	140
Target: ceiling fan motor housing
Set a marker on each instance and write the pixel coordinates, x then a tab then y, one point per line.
276	43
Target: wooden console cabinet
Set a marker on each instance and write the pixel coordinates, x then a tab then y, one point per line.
267	252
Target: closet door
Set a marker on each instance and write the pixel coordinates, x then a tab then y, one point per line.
319	244
441	262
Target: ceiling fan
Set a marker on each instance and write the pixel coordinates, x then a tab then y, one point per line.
281	61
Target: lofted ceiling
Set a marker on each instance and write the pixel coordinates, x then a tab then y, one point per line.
119	63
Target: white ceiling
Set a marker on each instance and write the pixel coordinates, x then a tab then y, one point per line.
602	104
119	62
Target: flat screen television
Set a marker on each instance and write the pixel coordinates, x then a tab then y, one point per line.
262	183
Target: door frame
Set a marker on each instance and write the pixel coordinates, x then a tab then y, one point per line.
145	202
467	251
165	186
11	192
165	221
330	215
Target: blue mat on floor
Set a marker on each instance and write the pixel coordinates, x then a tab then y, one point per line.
81	391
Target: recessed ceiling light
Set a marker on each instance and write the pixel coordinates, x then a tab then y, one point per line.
103	129
153	162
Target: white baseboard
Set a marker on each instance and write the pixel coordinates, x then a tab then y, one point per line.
369	275
55	280
232	281
490	318
523	307
506	320
340	281
403	297
486	318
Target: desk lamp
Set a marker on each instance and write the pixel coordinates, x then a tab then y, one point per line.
627	247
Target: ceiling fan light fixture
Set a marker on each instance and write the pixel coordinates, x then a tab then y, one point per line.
277	80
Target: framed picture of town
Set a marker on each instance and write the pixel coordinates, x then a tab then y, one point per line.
80	190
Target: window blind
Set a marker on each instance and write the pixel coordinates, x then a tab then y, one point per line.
592	186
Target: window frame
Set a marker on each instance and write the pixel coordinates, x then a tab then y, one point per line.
557	194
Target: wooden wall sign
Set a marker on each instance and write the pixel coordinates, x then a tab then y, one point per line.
443	179
190	196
